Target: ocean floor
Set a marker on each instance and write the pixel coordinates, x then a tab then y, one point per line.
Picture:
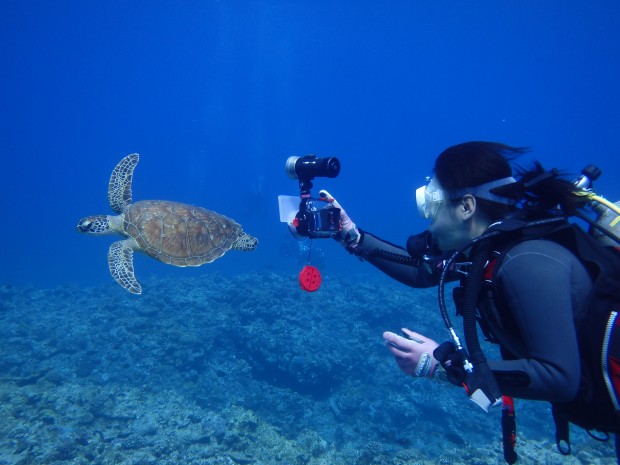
250	369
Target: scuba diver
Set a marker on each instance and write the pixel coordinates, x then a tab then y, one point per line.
524	281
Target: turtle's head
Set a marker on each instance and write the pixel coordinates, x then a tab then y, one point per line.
99	224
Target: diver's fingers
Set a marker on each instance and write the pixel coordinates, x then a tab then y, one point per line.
397	345
416	337
329	198
326	195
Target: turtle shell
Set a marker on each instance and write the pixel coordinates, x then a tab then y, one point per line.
179	234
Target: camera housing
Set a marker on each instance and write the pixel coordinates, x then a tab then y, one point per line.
316	222
315	218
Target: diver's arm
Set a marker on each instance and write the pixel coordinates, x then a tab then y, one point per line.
542	282
396	262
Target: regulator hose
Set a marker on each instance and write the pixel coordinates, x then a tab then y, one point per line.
472	290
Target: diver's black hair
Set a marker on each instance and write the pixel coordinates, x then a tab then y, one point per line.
473	163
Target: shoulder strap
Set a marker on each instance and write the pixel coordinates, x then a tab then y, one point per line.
496	319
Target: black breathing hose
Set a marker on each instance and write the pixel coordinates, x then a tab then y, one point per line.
447	267
470	300
441	290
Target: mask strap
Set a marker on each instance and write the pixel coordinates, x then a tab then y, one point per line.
483	191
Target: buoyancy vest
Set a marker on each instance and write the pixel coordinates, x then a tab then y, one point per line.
597	404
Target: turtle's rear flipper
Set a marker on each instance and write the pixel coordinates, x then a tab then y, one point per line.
245	243
120	260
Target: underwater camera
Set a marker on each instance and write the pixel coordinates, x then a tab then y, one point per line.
307	216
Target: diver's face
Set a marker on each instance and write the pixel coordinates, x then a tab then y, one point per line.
449	229
448	219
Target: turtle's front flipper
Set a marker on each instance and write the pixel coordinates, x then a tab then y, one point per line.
119	189
120	260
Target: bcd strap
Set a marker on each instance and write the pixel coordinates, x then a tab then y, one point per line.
509	430
562	439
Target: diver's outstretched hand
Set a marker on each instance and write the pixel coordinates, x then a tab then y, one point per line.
413	352
348	235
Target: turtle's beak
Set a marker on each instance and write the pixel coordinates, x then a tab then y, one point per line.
84	225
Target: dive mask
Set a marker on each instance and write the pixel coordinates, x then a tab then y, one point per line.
430	196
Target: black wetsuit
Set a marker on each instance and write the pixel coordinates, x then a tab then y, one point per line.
543	285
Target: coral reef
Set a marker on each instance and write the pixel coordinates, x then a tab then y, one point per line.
239	370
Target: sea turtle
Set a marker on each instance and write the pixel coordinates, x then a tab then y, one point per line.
171	232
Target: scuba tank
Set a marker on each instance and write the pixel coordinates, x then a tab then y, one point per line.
609	220
606	226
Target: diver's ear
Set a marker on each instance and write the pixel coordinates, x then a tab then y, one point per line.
468	206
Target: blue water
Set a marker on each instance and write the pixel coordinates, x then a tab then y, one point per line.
215	95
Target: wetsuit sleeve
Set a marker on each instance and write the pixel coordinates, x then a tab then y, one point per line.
397	263
542	284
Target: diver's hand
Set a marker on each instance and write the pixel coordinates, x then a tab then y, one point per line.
348	235
413	353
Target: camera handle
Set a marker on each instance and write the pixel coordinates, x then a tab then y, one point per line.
304	188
